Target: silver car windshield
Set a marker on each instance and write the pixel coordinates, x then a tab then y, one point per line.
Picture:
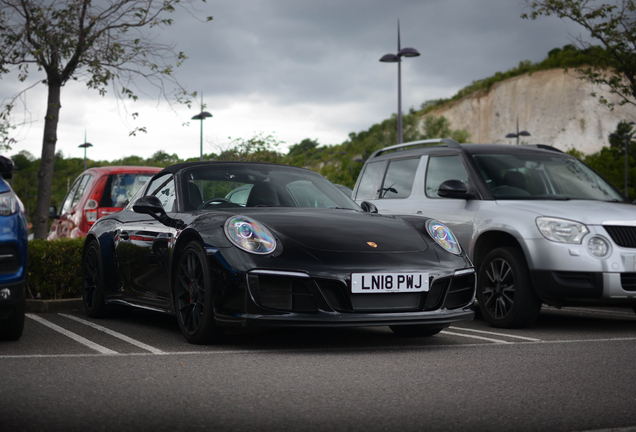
542	177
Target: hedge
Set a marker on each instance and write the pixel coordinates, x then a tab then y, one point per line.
54	268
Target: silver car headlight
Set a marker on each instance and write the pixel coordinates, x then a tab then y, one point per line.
443	236
250	235
562	230
8	204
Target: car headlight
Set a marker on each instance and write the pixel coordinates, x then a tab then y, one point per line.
249	235
443	236
598	247
8	204
561	230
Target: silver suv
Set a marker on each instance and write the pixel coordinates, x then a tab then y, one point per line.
539	225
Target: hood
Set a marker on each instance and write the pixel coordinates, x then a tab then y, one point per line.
342	230
587	212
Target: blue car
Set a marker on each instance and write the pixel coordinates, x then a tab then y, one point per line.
13	257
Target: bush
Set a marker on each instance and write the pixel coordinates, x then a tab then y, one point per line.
54	268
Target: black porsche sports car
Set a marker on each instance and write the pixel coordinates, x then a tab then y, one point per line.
230	244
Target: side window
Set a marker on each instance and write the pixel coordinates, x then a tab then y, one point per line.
163	188
82	187
67	204
442	168
399	178
370	181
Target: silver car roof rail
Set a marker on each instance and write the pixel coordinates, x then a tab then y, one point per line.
422	143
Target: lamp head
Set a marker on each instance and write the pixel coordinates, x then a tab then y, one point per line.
408	52
202	115
389	58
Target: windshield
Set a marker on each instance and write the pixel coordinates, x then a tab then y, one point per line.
218	186
532	176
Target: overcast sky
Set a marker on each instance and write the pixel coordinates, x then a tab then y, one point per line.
298	69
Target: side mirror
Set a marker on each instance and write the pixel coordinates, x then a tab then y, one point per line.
52	212
453	189
368	207
6	167
150	205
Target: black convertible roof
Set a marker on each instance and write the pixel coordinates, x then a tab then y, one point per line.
180	166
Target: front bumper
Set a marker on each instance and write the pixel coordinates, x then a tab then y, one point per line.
442	318
567	274
294	299
593	288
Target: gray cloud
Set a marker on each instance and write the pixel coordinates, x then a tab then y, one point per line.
295	54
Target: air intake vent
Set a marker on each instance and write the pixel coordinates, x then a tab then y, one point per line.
9	260
628	281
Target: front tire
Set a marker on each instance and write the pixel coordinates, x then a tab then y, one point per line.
193	297
504	290
93	281
415	330
11	328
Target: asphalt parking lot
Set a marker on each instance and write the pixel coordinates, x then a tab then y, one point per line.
572	370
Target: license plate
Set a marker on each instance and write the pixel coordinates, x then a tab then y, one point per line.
369	283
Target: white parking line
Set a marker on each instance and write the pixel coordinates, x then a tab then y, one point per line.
498	334
75	337
329	350
115	334
594	311
476	337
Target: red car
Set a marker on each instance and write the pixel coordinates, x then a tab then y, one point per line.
95	193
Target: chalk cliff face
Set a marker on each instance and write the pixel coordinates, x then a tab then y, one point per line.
555	107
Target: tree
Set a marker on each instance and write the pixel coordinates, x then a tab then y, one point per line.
439	127
96	42
610	161
613	25
259	148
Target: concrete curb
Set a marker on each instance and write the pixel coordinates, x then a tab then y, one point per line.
64	305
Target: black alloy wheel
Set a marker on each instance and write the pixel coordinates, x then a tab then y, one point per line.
193	297
415	330
93	281
504	290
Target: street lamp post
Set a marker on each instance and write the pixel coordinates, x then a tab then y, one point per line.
518	134
201	116
85	146
397	58
627	137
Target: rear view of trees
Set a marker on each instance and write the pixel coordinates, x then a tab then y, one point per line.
101	43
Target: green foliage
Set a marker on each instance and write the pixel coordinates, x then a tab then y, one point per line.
54	268
610	161
342	163
614	27
259	148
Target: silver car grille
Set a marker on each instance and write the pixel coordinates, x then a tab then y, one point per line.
623	236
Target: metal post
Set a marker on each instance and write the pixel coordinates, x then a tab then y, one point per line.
201	134
399	140
627	137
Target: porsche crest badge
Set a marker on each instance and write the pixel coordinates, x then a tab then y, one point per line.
372	244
